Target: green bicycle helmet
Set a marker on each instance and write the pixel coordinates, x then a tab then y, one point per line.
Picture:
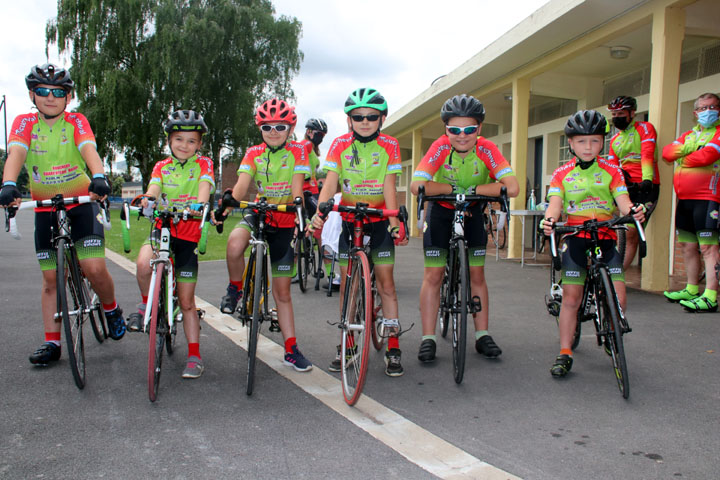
366	97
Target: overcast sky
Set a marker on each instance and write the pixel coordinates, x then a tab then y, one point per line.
400	51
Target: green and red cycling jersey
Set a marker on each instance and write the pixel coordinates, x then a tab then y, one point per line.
481	166
697	153
588	193
180	182
633	149
362	167
311	184
273	173
54	162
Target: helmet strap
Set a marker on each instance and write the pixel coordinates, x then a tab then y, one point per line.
276	149
367	139
583	165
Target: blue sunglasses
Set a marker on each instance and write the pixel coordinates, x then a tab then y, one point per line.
44	92
469	130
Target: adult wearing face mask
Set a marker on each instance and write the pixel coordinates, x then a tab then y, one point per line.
697	153
633	149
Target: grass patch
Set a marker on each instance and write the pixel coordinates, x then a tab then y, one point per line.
140	231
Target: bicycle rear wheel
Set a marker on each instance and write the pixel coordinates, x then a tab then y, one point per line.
446	302
96	314
301	256
610	321
356	328
259	295
378	340
71	308
157	333
460	311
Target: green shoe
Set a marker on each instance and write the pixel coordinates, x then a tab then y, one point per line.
679	295
699	305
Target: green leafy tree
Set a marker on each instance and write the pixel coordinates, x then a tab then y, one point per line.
135	61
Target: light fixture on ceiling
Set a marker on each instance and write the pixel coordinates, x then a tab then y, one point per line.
620	52
507	97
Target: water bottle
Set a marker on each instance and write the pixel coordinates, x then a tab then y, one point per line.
531	200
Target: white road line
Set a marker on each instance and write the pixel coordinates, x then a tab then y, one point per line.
419	446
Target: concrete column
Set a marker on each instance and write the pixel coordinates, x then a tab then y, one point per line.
518	157
668	31
417	155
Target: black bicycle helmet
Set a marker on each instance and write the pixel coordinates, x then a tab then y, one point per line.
462	106
49	74
586	122
185	121
623	103
366	97
317	124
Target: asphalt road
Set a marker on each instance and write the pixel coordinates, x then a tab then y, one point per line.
509	412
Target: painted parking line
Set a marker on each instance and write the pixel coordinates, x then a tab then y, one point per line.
419	446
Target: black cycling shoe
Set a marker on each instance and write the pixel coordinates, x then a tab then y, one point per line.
115	323
48	352
229	302
562	365
485	345
427	351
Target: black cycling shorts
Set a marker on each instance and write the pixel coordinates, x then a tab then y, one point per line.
185	257
697	221
382	244
438	230
279	240
575	258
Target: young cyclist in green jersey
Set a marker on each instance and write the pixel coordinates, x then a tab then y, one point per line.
59	147
366	162
181	179
587	187
461	161
280	165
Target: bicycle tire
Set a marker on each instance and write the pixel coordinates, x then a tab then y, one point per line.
490	227
445	303
259	271
312	257
356	326
96	314
71	309
501	236
378	340
460	311
304	259
621	242
172	332
613	333
156	337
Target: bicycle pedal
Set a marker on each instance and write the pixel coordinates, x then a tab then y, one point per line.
274	326
475	304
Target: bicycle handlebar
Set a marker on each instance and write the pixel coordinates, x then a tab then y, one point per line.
460	200
364	210
592	226
10	212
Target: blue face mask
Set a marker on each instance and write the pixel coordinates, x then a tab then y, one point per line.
707	118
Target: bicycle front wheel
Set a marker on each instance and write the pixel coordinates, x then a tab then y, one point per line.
156	335
259	295
71	309
460	312
610	321
446	302
375	324
356	329
96	314
301	253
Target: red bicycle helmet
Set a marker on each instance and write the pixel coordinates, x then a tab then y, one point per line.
275	111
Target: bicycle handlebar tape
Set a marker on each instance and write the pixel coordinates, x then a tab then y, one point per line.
202	244
326	207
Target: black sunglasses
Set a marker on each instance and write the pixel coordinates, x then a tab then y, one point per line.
370	118
44	92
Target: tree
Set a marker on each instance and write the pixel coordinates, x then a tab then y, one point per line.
135	61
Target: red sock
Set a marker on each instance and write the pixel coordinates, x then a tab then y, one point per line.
289	343
144	299
52	337
393	342
238	284
109	307
194	350
565	351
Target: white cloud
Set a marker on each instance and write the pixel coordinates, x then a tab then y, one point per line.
396	46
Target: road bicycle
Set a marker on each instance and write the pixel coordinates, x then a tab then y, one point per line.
307	258
599	300
496	226
76	300
254	308
359	319
456	300
162	313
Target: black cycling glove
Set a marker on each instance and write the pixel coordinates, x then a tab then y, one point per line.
99	186
8	194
